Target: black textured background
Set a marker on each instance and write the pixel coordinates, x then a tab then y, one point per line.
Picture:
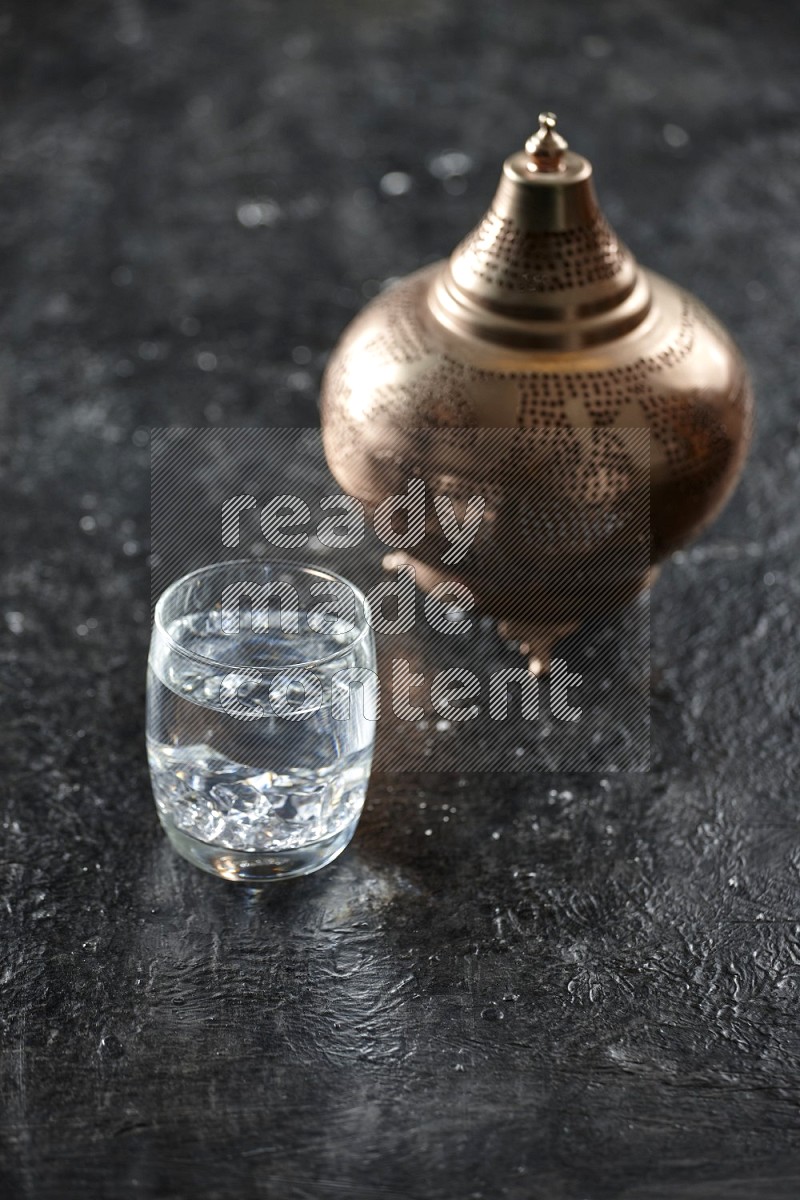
600	1001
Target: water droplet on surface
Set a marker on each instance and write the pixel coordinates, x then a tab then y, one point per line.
396	183
15	622
111	1047
675	136
253	213
450	163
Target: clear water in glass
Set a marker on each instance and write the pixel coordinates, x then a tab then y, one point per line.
260	718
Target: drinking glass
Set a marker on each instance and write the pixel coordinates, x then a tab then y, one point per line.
262	700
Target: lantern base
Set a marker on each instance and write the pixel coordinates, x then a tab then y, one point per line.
536	642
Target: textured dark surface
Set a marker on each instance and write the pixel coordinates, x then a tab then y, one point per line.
602	1000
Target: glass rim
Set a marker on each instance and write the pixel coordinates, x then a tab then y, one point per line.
276	563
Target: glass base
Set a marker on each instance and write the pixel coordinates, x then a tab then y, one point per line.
259	866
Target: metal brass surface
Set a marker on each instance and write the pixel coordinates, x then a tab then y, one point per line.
543	325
